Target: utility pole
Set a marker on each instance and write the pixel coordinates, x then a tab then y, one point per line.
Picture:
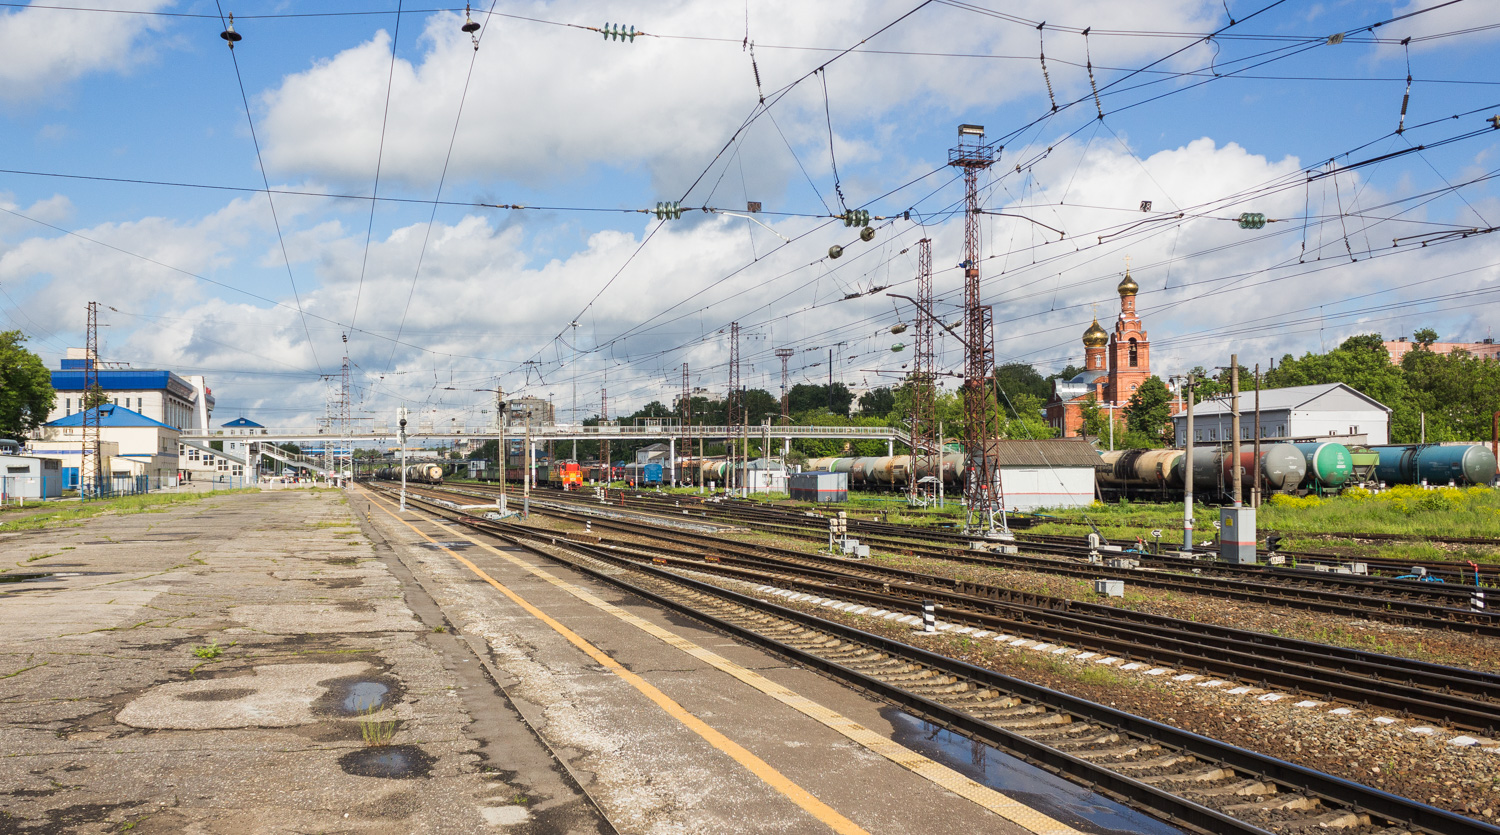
500	444
604	457
1187	469
530	461
982	482
573	412
1255	491
1234	428
923	395
91	467
732	404
785	354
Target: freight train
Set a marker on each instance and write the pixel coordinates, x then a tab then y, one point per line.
1324	467
417	473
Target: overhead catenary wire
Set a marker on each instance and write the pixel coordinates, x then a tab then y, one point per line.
385	113
270	201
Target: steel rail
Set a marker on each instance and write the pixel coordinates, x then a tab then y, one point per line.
1158	801
1353	676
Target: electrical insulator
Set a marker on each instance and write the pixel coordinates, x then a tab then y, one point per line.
899	347
835	251
229	34
619	33
1252	220
668	211
899	327
867	233
858	217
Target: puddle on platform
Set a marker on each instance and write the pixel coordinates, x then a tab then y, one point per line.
395	762
364	696
1071	804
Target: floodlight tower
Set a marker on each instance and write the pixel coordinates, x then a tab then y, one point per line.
784	354
982	478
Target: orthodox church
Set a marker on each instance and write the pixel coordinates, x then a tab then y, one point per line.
1114	366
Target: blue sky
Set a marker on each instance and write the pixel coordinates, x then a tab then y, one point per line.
192	275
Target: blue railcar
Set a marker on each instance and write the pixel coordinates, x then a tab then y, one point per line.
1434	464
652	474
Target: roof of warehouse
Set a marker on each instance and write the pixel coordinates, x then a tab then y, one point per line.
112	415
1275	400
1054	452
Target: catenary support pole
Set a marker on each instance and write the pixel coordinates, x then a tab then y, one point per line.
1255	492
1237	475
1187	471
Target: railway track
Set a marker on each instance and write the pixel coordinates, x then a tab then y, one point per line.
1462	698
1425	605
1194	782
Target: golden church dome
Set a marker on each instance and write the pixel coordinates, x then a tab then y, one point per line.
1095	337
1128	287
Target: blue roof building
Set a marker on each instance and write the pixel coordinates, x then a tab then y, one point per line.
132	444
184	403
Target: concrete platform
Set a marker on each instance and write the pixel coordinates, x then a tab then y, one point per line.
111	720
221	665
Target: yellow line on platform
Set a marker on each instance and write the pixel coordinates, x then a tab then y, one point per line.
997	802
755	765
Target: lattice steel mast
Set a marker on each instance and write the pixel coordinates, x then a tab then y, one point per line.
926	446
785	354
732	404
609	470
982	496
346	440
89	474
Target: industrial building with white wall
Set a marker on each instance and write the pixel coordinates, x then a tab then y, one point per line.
1306	413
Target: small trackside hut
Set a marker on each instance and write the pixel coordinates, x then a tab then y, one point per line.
1057	472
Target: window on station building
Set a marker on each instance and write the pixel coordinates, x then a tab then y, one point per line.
1213	434
1134	359
1198	434
1280	430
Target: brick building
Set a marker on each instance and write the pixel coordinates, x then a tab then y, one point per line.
1115	364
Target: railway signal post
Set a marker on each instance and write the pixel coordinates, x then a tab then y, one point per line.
401	438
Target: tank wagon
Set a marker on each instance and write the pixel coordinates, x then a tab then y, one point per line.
1159	472
891	471
418	473
1434	464
1329	465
